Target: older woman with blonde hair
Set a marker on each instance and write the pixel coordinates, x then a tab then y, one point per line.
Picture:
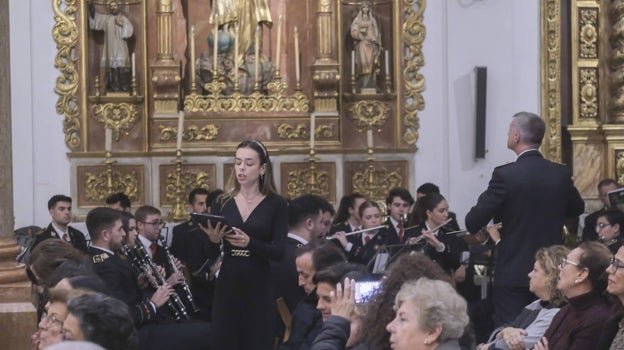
533	321
429	315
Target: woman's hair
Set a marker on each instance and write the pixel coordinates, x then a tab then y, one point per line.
71	268
266	182
595	258
366	205
125	221
406	268
346	202
549	259
428	202
51	253
437	303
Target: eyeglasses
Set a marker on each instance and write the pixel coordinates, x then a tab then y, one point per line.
601	225
616	264
155	223
565	261
50	320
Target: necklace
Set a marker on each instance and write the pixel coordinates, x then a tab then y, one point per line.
250	199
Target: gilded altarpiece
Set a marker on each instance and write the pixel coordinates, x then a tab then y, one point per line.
178	84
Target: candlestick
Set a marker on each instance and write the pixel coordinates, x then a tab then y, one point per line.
352	63
180	130
215	38
108	139
133	65
297	67
257	47
369	138
279	45
192	44
387	64
312	128
236	59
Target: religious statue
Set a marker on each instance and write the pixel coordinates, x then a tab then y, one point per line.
365	31
115	58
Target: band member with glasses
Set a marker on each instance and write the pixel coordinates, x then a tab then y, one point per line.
609	223
257	215
613	332
583	281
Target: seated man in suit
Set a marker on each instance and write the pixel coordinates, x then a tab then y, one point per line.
604	187
60	209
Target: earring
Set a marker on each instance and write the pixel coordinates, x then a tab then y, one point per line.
427	342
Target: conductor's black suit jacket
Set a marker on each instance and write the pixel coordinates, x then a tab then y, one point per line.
532	197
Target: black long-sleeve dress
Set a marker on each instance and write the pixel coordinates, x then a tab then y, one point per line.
243	305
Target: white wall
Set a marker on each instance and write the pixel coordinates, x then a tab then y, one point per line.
502	35
461	34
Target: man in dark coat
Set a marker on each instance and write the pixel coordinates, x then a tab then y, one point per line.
532	197
60	208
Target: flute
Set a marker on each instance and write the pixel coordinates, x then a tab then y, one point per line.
360	231
421	237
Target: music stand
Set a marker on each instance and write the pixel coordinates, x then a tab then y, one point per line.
383	257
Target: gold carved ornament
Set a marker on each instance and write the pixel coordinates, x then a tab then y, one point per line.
305	181
374	183
101	185
300	131
120	117
588	90
616	59
65	34
551	77
369	113
192	133
413	37
188	181
588	33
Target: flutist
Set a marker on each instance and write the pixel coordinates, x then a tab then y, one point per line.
399	202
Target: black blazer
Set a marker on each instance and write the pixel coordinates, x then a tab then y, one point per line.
532	197
284	274
78	239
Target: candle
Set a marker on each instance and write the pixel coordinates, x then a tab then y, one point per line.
192	44
257	45
387	64
369	138
180	129
133	65
279	44
215	38
108	139
297	67
352	63
236	57
312	129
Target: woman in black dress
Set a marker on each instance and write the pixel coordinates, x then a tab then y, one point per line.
258	216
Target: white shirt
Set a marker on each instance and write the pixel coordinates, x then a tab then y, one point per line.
61	233
147	243
297	238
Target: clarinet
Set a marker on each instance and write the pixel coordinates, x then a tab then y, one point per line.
185	287
139	257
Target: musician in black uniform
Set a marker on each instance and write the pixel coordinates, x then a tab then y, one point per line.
608	227
106	229
367	244
191	246
60	209
348	218
399	201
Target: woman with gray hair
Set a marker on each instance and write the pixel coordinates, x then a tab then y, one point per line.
429	315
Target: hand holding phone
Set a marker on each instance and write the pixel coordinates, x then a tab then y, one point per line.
365	290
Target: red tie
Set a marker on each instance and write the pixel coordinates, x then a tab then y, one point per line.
366	239
153	249
401	233
65	237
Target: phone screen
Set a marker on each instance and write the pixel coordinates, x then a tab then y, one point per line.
365	290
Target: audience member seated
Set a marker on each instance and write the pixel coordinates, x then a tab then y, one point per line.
589	229
609	225
612	336
102	320
533	321
582	280
51	324
429	315
380	308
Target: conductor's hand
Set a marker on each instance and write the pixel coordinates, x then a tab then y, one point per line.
343	299
161	295
215	234
493	232
238	238
342	238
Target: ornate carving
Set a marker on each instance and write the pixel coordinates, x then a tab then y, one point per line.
588	92
120	117
299	183
188	181
256	102
551	78
413	37
289	132
616	59
588	33
98	186
369	114
619	167
65	34
192	133
374	183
